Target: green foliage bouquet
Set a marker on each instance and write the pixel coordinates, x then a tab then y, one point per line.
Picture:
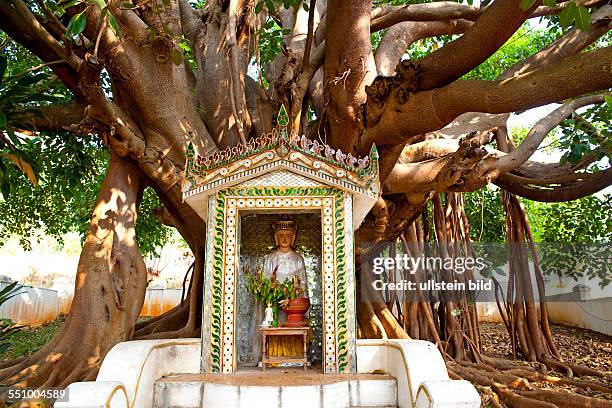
271	291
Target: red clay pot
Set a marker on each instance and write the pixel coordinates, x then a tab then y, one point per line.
295	309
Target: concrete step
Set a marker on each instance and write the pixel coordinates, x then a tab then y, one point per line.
295	390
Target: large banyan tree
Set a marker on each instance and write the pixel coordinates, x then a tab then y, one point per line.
183	72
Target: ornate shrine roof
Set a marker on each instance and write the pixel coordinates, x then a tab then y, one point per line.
277	150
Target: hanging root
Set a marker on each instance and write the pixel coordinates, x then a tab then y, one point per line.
532	332
454	327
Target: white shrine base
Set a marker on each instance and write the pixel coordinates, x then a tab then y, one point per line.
293	388
131	372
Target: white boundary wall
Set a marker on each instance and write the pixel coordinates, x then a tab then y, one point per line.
37	306
594	315
32	306
582	303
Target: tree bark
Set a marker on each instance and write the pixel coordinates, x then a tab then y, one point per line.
109	289
349	67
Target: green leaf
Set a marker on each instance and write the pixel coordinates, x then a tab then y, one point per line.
71	3
526	4
583	18
114	24
259	7
77	24
31	80
22	164
567	15
550	3
176	55
305	6
151	33
608	100
470	2
2	120
5	294
12	136
99	3
68	3
126	5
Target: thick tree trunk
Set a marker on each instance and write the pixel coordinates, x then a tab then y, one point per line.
109	289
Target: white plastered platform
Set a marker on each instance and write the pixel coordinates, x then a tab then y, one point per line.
130	371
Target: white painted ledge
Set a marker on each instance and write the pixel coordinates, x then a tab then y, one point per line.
447	394
130	370
414	363
135	366
98	394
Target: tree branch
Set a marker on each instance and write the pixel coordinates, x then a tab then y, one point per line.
445	166
569	44
479	42
540	130
398	38
577	75
42	35
589	184
431	110
449	165
387	15
190	23
238	100
309	35
23	27
48	118
53	24
349	67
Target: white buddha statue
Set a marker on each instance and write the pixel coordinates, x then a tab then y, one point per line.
284	261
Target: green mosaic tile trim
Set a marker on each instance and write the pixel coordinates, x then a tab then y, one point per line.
217	286
282	192
342	355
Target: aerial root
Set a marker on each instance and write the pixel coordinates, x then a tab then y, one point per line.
513	388
13	362
566	400
170	321
538	377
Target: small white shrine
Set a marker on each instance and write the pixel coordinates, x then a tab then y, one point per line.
239	192
280	172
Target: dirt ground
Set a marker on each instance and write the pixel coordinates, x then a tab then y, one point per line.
580	346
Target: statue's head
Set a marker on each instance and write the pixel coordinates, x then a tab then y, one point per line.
284	234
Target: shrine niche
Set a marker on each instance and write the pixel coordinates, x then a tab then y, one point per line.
238	190
256	243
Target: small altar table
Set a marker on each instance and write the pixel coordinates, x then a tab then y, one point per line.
283	331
